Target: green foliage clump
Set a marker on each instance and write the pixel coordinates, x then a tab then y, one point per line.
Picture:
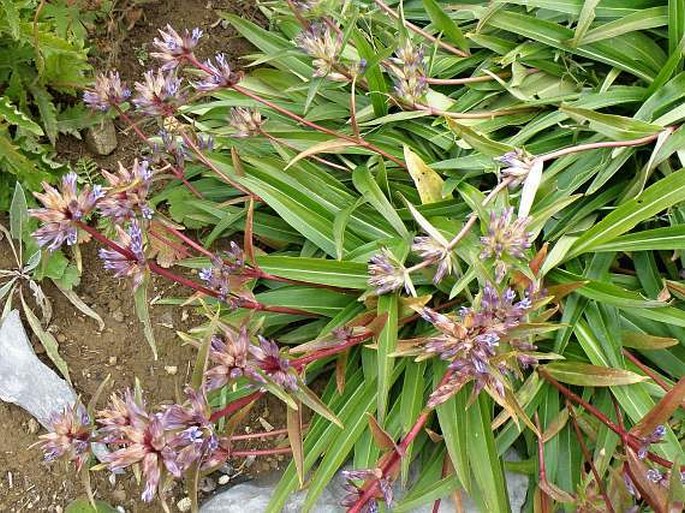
43	65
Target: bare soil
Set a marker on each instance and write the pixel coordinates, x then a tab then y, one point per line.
120	350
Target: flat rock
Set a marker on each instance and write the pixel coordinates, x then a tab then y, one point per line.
254	496
24	379
101	139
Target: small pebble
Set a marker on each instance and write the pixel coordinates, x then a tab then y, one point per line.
184	504
113	360
224	480
207	484
227	469
118	316
61	338
32	426
171	369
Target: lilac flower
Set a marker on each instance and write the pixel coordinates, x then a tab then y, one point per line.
246	122
655	437
409	72
471	342
127	194
230	354
518	164
268	358
122	413
219	74
319	41
132	265
387	274
108	91
430	249
146	442
69	436
62	210
506	239
174	48
224	267
195	439
159	94
656	476
354	491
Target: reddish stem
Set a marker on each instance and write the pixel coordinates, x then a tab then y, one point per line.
657	379
262	452
261	434
298	363
235	406
177	172
389	465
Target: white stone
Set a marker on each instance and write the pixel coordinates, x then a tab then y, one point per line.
24	379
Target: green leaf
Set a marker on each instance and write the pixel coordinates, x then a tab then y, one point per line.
667	238
676	24
367	186
47	109
444	24
14	116
47	340
585	374
19	213
453	418
143	313
350	275
387	342
641	20
478	141
617	128
665	193
587	14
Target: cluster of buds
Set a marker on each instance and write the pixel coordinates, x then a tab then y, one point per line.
517	166
409	71
234	356
223	273
168	441
477	344
324	44
387	274
173	48
506	240
246	122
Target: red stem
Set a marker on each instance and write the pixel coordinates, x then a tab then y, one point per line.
657	379
177	172
392	461
236	405
261	452
298	363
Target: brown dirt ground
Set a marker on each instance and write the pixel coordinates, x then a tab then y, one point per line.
26	482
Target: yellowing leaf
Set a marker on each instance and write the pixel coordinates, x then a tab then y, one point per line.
428	183
330	146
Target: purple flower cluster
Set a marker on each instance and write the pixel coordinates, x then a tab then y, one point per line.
108	91
169	441
387	274
219	74
132	265
234	356
517	164
62	210
471	342
159	93
127	193
410	72
506	240
430	249
655	437
321	42
69	436
174	48
220	275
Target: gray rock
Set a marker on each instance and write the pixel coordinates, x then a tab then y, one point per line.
101	139
24	379
254	497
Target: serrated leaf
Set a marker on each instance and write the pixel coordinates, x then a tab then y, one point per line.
14	116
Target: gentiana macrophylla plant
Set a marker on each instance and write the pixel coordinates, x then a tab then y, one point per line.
471	220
